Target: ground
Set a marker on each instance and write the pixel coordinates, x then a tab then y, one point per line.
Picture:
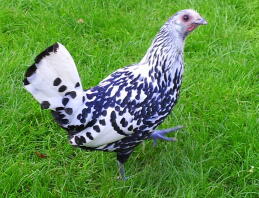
216	154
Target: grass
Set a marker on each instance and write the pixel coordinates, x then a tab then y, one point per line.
216	154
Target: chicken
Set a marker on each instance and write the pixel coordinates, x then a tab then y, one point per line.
126	107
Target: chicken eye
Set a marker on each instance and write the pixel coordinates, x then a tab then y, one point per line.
186	17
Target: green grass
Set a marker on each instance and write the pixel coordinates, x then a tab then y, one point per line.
216	154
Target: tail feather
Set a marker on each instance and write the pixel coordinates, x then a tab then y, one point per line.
52	76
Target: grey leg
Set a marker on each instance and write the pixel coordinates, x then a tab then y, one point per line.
122	171
160	134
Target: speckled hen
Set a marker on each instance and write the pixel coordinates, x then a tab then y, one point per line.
125	108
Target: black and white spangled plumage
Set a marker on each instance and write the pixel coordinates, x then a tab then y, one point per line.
123	109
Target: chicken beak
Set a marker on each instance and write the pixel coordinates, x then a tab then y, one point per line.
201	21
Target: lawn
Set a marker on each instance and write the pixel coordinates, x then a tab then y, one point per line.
216	154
